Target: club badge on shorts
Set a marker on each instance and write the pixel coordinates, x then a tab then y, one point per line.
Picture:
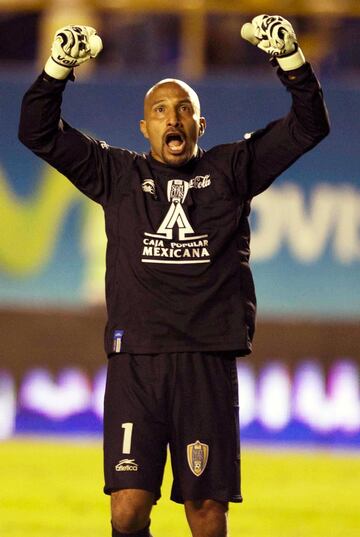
197	456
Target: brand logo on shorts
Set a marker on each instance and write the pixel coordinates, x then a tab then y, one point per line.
127	465
197	456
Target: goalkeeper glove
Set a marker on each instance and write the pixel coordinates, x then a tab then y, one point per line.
72	46
275	35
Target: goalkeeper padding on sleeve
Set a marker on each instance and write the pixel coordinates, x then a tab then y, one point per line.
275	35
72	46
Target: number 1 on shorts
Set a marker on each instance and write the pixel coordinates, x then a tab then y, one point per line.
128	428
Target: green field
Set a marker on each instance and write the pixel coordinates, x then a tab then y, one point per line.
53	488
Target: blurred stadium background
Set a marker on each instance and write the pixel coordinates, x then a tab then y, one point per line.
301	385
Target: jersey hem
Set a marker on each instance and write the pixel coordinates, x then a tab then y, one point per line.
240	350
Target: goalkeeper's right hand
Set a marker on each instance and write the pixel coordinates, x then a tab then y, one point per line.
72	46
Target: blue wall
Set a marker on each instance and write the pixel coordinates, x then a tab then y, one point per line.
306	255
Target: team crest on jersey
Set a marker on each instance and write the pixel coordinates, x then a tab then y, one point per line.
177	190
197	456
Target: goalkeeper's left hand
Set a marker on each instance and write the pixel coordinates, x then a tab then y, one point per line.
275	35
72	46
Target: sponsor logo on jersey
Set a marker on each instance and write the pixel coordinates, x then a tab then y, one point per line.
175	241
197	456
127	465
200	181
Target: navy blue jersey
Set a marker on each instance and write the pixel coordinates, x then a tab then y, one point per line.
177	262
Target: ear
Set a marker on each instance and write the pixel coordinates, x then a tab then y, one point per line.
202	126
143	128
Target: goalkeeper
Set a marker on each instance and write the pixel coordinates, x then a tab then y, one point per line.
179	290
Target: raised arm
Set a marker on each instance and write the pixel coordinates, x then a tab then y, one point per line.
77	156
273	149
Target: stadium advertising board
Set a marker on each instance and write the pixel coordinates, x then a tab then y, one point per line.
306	406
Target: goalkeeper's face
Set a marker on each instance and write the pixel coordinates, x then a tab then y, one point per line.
172	122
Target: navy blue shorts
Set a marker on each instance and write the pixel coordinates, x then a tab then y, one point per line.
187	401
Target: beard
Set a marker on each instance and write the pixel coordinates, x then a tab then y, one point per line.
179	159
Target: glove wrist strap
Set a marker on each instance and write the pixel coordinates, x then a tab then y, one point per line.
55	70
292	61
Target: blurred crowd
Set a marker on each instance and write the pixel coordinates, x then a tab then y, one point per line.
141	43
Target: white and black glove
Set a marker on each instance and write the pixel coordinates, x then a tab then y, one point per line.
72	46
275	35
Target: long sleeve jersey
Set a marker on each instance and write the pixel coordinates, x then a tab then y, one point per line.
177	261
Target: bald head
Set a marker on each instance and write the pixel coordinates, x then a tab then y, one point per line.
172	121
152	93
